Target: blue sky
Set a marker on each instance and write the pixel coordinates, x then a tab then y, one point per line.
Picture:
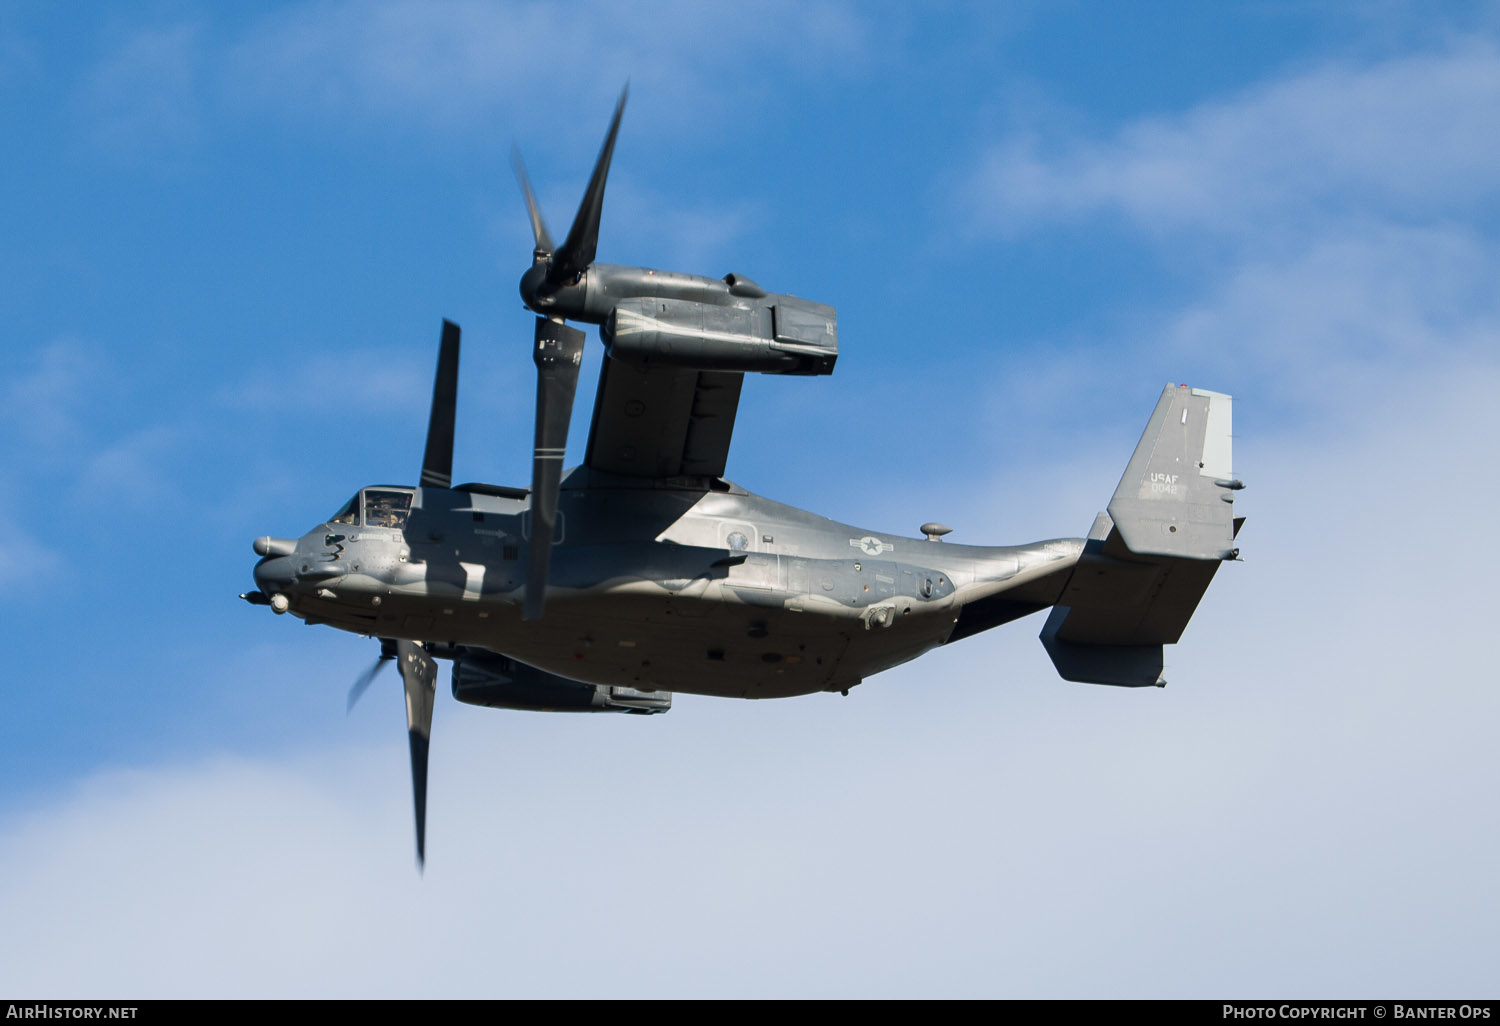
227	240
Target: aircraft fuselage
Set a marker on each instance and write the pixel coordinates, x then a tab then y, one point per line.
693	589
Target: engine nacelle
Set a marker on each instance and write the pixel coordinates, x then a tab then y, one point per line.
784	335
485	678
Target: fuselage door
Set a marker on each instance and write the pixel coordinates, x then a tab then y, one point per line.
754	568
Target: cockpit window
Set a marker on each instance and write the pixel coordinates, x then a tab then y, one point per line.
348	514
386	508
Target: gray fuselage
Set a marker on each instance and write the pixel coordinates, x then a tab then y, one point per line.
701	590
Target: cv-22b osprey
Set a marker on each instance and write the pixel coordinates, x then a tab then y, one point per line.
645	572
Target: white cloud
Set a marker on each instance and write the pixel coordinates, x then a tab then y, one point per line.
399	381
1343	313
44	402
665	232
131	472
144	101
1334	222
459	62
24	560
1410	136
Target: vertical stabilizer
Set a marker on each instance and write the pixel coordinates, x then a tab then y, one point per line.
1176	498
1148	562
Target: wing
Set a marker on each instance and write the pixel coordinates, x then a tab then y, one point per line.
662	421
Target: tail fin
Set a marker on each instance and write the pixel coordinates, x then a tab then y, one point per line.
1176	498
1148	561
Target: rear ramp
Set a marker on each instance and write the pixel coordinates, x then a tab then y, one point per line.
1148	561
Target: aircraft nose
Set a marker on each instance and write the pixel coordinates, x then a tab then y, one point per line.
274	575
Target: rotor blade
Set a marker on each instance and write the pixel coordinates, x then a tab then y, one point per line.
363	683
578	248
437	464
557	353
419	675
538	225
387	653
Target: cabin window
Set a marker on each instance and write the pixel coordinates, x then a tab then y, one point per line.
348	513
386	507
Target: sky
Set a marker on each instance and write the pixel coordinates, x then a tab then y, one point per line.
228	236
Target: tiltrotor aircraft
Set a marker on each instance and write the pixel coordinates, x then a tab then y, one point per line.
645	572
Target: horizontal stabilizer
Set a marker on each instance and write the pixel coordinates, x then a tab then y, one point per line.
1130	666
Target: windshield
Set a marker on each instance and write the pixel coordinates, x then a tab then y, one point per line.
386	507
348	513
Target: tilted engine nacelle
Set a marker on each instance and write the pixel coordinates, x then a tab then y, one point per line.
786	335
485	678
